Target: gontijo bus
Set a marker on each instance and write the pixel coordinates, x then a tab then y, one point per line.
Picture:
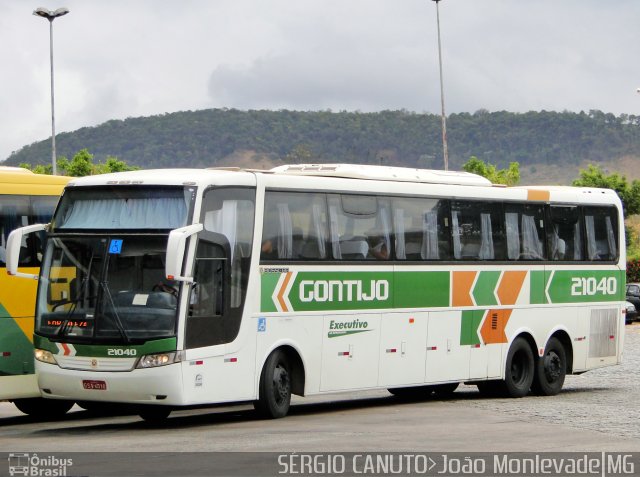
25	198
206	286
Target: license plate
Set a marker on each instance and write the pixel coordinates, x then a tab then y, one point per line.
96	385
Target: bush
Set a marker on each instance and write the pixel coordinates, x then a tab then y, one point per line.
633	270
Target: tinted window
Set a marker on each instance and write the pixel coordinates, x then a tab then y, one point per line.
476	229
565	233
421	229
601	233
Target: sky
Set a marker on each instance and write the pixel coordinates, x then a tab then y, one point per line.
115	59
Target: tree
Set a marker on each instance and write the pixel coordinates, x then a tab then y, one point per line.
82	165
509	176
629	194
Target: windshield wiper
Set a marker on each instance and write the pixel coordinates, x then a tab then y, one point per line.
64	326
117	320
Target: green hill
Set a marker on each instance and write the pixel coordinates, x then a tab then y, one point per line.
539	141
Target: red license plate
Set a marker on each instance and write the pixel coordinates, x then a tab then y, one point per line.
96	385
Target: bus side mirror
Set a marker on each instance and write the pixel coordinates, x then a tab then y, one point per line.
175	251
14	244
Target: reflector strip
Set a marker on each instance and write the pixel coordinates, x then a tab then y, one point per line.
582	338
476	345
612	337
412	320
432	348
196	363
392	350
231	360
6	353
343	353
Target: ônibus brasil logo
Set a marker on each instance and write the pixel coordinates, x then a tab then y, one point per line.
343	328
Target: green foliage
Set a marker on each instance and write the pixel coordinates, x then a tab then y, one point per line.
82	165
509	176
629	194
633	270
205	138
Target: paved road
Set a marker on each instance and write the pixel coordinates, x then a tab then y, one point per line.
598	411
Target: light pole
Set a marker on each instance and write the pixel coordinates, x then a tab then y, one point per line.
445	149
51	15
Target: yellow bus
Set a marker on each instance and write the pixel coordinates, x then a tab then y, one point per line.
25	198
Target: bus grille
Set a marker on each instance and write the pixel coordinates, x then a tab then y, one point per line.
96	364
603	330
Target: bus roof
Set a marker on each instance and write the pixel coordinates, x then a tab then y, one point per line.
20	181
384	173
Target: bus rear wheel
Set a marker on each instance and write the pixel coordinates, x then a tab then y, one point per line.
274	396
43	408
519	369
551	369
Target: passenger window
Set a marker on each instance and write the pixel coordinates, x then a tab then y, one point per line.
294	227
477	230
525	232
14	213
601	233
360	227
421	229
565	233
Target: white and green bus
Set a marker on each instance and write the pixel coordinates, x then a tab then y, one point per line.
193	287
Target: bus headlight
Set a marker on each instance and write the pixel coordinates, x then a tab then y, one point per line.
44	356
159	359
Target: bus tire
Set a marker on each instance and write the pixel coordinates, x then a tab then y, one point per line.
43	408
415	392
154	413
551	369
445	390
274	393
519	369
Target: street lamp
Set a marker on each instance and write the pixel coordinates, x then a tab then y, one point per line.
445	149
51	15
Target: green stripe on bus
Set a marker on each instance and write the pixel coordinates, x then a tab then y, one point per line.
102	351
470	323
484	290
16	351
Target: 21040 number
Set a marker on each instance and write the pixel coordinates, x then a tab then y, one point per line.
121	352
592	286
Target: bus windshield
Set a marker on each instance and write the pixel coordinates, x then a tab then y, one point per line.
123	208
106	288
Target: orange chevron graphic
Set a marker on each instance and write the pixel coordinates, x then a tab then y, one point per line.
495	322
461	283
67	351
283	304
510	286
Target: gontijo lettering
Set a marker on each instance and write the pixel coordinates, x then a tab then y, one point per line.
343	290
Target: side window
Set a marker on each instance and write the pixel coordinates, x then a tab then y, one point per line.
421	229
14	213
601	233
524	227
565	233
360	227
476	229
294	227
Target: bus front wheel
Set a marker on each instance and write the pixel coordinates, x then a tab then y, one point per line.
153	413
519	369
43	408
275	387
551	369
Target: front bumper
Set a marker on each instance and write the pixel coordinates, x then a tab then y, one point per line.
161	385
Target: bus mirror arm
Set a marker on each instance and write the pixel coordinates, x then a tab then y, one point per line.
14	244
175	251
